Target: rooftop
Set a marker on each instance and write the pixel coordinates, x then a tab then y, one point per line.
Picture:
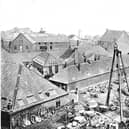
111	35
34	37
45	37
72	73
32	89
17	57
46	59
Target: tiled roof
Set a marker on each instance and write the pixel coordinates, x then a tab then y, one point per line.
31	87
72	73
111	35
46	59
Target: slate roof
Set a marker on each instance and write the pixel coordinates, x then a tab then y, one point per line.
46	59
31	87
72	74
111	35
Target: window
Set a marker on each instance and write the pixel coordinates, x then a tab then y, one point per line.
50	70
43	48
56	68
57	103
27	47
50	47
10	44
15	47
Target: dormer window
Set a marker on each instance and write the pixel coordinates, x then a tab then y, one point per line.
47	94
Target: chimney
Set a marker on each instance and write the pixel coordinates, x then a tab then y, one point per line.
77	42
65	65
76	58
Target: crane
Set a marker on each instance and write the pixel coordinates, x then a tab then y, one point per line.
117	56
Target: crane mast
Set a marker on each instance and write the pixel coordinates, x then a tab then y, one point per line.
117	56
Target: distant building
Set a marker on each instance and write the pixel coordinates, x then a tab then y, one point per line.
21	44
121	38
93	52
26	96
73	77
31	41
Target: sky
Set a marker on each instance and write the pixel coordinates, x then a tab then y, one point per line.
87	17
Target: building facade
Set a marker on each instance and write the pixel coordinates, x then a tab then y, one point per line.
27	98
27	42
21	44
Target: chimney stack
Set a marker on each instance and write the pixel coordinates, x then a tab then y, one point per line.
76	58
